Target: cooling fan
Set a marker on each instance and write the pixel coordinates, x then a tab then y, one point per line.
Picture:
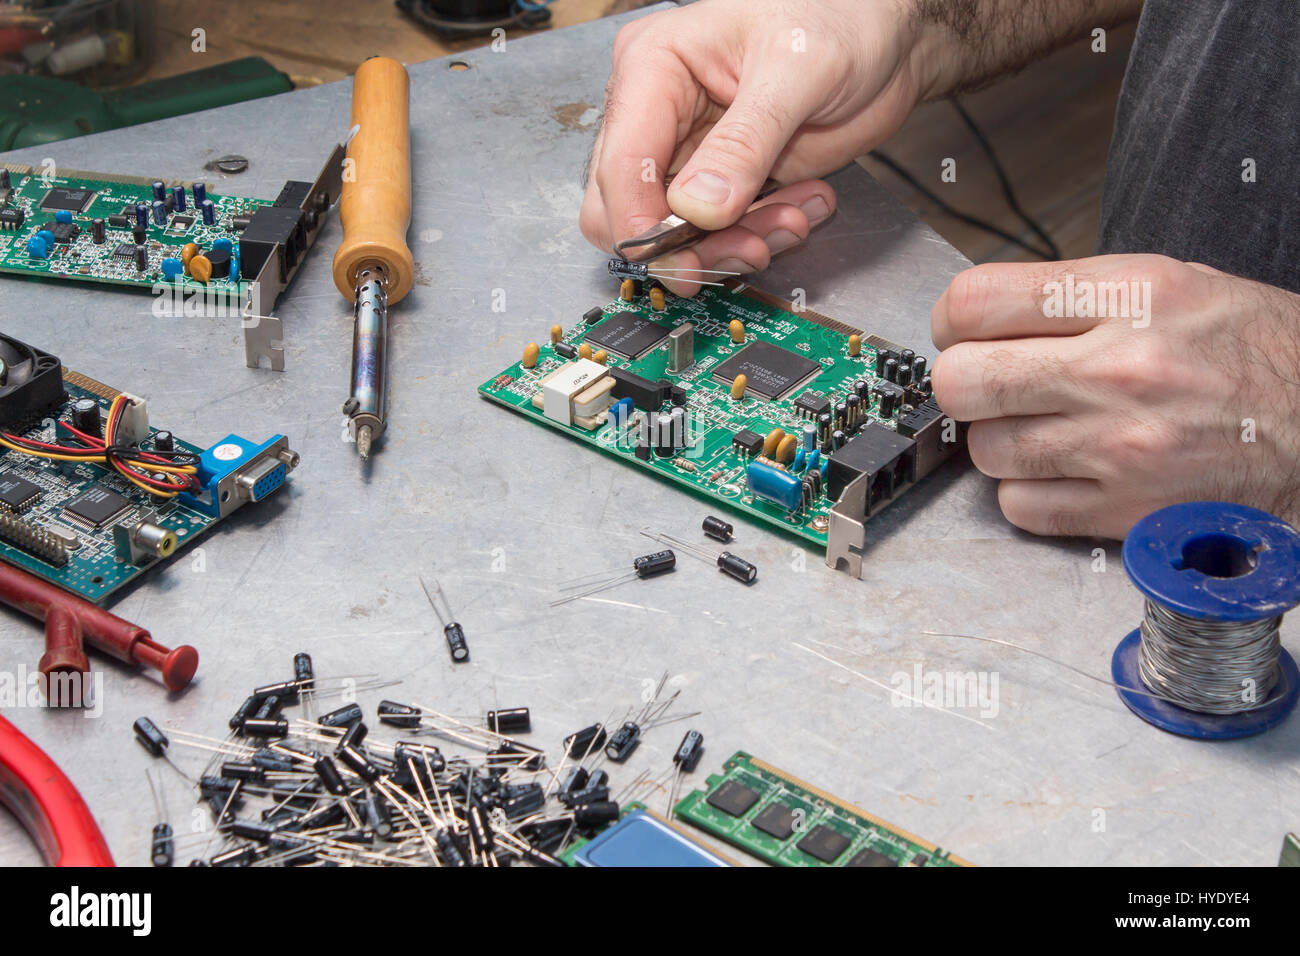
30	381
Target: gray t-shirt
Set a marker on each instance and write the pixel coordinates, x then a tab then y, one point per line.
1210	85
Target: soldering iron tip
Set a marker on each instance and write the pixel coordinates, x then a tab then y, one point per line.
363	442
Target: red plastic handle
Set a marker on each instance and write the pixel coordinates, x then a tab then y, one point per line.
47	804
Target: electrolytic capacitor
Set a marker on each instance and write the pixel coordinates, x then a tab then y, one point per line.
269	707
242	770
515	720
162	849
286	690
809	437
623	742
163	441
86	416
837	439
159	190
906	356
358	762
209	212
574	779
160	212
246	710
377	815
178	198
150	737
329	775
588	794
355	733
577	745
142	215
689	751
141	258
200	191
303	672
718	529
648	565
255	727
399	715
347	714
139	234
853	415
862	389
925	385
98	231
737	567
891	370
456	642
419	754
904	376
825	426
918	368
595	814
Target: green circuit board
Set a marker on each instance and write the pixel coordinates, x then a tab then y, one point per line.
806	361
89	196
39	491
786	822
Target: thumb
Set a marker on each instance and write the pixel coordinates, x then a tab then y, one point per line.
719	182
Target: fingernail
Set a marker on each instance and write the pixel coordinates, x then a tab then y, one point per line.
707	187
779	240
733	265
816	210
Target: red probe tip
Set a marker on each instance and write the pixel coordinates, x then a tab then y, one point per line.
179	666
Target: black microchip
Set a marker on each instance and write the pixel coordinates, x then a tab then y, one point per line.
870	857
11	218
64	231
824	843
118	222
125	250
627	334
733	798
97	506
73	200
775	819
771	370
17	493
748	442
809	405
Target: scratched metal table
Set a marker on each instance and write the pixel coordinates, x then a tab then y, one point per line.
800	669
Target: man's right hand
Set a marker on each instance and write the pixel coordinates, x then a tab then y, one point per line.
723	94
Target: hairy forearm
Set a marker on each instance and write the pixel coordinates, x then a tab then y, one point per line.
963	44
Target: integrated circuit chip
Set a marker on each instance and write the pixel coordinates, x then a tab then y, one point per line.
733	798
17	493
748	442
124	250
809	405
11	218
824	843
870	857
775	819
64	231
96	507
627	334
771	370
73	200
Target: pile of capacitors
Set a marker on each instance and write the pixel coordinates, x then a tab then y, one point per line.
220	261
318	789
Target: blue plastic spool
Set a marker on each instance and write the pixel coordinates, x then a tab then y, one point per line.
1220	562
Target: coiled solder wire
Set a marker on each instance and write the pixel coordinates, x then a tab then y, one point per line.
1207	666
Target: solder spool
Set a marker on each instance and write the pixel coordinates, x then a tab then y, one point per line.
1218	563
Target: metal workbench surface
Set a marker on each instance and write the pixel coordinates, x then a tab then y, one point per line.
1053	769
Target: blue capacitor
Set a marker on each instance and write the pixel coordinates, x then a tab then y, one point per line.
223	243
826	467
172	267
814	459
209	211
178	199
160	212
200	193
159	190
63	215
141	215
799	457
810	436
774	485
234	264
620	413
37	247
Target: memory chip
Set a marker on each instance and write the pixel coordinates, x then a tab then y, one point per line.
73	200
96	506
870	857
772	371
824	843
627	334
17	493
733	798
775	819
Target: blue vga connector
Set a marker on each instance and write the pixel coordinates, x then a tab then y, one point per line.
236	471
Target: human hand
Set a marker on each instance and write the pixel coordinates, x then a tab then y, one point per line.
723	94
1092	423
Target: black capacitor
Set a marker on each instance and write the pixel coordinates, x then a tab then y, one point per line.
514	754
200	191
242	770
269	707
638	287
598	778
163	848
209	210
160	212
593	315
220	259
585	741
862	389
150	737
141	218
210	787
159	190
447	849
222	809
178	198
852	416
595	814
138	235
573	780
480	831
904	376
689	751
717	529
86	416
648	565
825	425
809	493
278	727
355	733
737	567
882	356
163	441
457	646
141	258
565	350
664	445
286	690
925	386
891	370
303	672
239	856
539	857
515	720
358	763
268	759
98	231
398	715
377	815
918	368
322	816
329	775
623	742
841	415
252	830
347	714
524	801
906	356
418	754
587	794
838	438
642	450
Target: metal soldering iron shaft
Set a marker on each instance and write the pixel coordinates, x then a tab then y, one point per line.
367	407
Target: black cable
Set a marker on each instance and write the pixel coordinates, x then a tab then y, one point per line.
1050	253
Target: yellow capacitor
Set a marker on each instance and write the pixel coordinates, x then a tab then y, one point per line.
738	386
737	328
188	252
584	351
771	442
557	333
531	351
855	345
786	448
600	356
626	290
657	301
201	268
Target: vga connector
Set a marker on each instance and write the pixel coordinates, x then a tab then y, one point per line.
236	471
